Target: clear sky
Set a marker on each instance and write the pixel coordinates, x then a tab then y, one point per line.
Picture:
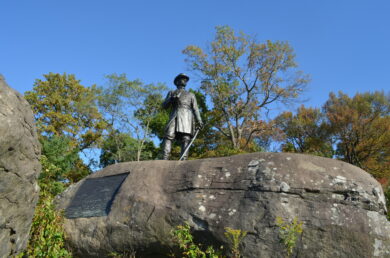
343	44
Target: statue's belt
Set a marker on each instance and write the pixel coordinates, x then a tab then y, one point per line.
184	107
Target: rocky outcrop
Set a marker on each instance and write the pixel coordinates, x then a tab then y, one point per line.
341	206
19	169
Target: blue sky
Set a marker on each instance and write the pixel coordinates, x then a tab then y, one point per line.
344	44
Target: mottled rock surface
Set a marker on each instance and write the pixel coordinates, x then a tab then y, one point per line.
341	206
19	169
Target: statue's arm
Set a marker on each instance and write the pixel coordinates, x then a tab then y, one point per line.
196	110
168	100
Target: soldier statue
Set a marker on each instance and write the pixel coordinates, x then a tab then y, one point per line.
184	118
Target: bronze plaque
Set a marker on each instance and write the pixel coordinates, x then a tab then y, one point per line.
95	196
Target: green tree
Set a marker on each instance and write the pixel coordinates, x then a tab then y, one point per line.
64	107
243	78
306	131
68	122
361	130
129	107
59	151
210	141
159	120
120	147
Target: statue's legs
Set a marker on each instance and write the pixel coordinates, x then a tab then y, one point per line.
185	140
168	138
167	148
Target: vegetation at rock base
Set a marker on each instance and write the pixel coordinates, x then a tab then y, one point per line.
235	237
387	196
183	237
130	254
289	233
47	237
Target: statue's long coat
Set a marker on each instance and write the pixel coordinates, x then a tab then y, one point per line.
184	112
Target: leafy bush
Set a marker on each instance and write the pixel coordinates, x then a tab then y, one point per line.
288	233
235	236
48	178
183	237
387	195
46	235
126	254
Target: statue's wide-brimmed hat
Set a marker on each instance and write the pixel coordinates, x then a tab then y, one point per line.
181	75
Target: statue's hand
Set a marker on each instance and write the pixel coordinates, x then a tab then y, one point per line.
199	126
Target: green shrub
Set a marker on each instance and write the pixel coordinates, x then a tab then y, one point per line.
288	233
183	237
235	236
387	195
46	234
126	254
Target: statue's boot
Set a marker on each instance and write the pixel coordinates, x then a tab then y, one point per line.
184	143
167	148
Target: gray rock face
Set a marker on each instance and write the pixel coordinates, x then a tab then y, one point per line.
341	206
19	169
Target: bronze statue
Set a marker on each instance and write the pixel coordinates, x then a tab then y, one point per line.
184	118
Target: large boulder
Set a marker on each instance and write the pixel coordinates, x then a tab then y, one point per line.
341	206
19	169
